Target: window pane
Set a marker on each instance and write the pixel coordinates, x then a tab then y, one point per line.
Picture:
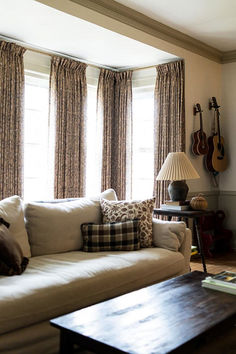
37	182
94	141
143	148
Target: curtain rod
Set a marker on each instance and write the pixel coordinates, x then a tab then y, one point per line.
51	53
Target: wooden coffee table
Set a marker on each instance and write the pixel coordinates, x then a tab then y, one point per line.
174	316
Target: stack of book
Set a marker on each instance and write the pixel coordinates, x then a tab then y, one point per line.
176	205
224	281
194	251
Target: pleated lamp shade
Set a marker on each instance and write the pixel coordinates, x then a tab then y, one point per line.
177	167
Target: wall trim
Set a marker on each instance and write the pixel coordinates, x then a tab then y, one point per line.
229	57
215	193
146	24
227	193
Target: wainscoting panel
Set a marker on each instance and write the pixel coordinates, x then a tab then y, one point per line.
227	202
222	200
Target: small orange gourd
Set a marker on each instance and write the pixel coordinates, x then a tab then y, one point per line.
198	203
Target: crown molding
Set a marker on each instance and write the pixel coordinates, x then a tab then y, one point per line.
144	23
229	57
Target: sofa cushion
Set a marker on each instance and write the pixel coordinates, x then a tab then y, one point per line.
167	234
54	227
114	211
11	210
119	236
12	261
60	283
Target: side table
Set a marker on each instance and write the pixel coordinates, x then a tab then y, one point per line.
186	214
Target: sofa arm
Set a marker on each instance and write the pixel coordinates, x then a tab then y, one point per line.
185	249
173	236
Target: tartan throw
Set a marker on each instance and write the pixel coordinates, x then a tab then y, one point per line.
118	236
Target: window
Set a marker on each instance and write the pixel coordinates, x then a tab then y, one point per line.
38	184
39	139
143	134
93	135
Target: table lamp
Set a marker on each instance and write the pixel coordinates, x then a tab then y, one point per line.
177	168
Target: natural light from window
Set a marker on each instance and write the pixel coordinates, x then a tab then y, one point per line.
37	182
143	148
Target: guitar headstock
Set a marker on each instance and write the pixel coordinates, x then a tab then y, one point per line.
197	109
213	104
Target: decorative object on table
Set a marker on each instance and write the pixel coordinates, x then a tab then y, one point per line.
177	168
223	281
216	160
198	202
200	145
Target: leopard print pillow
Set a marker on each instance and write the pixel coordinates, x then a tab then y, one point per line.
115	211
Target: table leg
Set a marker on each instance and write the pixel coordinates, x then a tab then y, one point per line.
199	240
66	345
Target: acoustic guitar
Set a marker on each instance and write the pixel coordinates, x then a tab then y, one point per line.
216	159
200	145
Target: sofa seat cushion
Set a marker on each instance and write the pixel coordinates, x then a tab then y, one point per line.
60	283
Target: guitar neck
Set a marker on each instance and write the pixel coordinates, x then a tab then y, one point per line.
201	125
218	123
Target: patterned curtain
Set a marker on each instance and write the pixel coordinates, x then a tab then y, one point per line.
169	119
68	95
11	119
114	110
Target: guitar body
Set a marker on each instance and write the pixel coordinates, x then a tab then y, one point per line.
219	160
200	145
216	160
209	155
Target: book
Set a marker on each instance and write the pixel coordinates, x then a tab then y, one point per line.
180	202
193	253
174	207
223	281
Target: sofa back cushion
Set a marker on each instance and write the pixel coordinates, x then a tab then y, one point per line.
11	210
54	227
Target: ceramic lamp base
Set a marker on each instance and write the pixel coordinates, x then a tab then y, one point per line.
178	190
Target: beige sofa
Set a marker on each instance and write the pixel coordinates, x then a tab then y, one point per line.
61	278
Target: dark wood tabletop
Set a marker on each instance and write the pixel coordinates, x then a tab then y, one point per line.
183	213
162	318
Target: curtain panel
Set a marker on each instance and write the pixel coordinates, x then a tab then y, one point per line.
169	119
114	114
68	96
11	119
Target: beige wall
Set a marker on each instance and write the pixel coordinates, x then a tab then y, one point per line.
228	124
227	198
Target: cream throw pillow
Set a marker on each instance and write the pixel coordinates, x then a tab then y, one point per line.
115	211
55	227
168	234
11	210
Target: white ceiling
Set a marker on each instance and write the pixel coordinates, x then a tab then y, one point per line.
45	27
210	21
